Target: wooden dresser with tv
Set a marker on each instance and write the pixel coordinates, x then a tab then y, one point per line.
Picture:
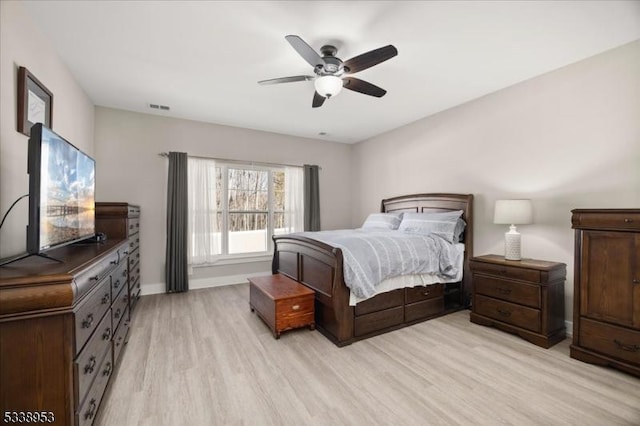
62	329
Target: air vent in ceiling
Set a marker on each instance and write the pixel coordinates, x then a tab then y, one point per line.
160	107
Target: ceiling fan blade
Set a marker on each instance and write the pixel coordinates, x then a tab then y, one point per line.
318	100
287	79
362	86
371	58
305	50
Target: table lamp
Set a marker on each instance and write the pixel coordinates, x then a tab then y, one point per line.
513	212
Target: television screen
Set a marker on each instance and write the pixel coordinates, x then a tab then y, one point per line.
61	192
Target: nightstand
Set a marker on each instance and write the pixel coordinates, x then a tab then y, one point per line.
523	297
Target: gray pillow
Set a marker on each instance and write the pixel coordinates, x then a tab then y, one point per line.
447	225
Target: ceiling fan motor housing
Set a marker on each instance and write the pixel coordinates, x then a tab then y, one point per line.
332	66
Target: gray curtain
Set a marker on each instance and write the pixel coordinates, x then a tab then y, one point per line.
311	198
176	275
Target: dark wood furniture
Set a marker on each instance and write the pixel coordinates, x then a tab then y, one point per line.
122	221
523	297
62	329
606	312
283	304
320	267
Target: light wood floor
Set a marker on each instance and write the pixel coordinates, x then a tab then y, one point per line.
202	358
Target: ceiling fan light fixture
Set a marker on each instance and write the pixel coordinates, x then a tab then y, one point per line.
328	85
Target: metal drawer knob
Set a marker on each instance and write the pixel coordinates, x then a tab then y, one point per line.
107	334
86	323
91	410
107	369
504	313
627	220
90	366
635	281
295	307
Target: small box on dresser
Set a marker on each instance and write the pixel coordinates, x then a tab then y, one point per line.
523	297
119	220
606	312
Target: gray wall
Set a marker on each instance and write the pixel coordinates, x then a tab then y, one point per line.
130	170
22	44
567	139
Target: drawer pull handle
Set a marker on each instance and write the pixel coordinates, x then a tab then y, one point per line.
91	410
117	314
627	220
88	321
503	271
505	291
426	293
124	273
113	262
107	369
107	334
105	299
94	278
90	366
635	281
126	252
116	284
503	312
295	307
625	347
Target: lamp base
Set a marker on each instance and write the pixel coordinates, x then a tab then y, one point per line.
512	244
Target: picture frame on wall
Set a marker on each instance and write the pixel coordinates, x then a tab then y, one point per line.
35	102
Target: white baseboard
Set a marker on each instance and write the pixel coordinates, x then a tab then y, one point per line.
195	284
568	325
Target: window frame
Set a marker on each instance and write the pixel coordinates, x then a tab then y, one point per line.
225	256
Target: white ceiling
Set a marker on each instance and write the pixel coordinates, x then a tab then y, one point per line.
204	59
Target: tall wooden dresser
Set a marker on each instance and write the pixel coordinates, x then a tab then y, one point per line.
122	221
606	313
62	330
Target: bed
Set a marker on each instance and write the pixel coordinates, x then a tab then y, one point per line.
319	266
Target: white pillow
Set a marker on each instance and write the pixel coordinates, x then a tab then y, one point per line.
447	225
382	221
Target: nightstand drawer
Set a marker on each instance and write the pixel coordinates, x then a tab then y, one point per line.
509	313
520	293
506	271
618	342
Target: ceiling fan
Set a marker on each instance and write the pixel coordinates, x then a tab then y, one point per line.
332	73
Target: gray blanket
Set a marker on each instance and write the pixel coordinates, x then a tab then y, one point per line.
372	256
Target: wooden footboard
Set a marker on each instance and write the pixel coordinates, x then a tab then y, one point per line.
319	266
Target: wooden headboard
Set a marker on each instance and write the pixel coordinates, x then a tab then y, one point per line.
440	203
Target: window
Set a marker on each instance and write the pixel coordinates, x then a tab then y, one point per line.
235	208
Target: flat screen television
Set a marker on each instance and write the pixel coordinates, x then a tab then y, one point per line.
61	192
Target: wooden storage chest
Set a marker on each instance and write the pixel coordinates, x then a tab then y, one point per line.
282	303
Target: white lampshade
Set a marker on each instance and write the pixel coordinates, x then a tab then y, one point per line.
328	85
513	212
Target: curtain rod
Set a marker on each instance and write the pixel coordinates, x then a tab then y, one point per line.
227	160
